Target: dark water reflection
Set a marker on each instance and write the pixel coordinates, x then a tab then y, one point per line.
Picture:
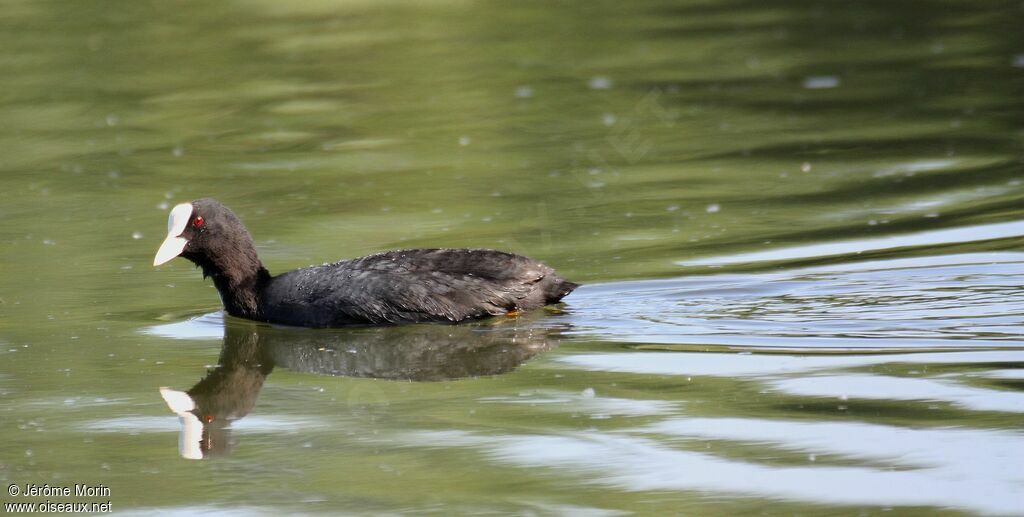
250	353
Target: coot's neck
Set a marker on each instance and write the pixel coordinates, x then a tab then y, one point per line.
240	291
239	277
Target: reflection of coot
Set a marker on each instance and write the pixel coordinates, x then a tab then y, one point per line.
228	392
415	352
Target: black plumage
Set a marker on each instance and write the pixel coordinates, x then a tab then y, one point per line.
420	285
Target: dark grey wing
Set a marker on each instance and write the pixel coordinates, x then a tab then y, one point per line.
418	285
446	285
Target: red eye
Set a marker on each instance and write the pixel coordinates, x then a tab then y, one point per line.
208	418
198	221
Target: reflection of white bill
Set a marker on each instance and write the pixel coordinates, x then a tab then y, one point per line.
191	428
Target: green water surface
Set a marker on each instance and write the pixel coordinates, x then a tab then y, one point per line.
798	225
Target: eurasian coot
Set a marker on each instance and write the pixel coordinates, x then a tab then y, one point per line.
423	285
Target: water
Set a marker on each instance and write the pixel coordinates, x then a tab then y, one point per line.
798	227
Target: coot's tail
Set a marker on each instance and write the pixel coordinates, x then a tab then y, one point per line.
558	289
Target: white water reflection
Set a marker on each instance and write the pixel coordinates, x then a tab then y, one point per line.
633	463
964	452
587	402
160	424
207	326
982	232
765	365
1004	374
915	167
884	387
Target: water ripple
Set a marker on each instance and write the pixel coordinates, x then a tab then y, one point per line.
966	301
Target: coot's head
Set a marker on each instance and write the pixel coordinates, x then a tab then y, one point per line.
210	235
